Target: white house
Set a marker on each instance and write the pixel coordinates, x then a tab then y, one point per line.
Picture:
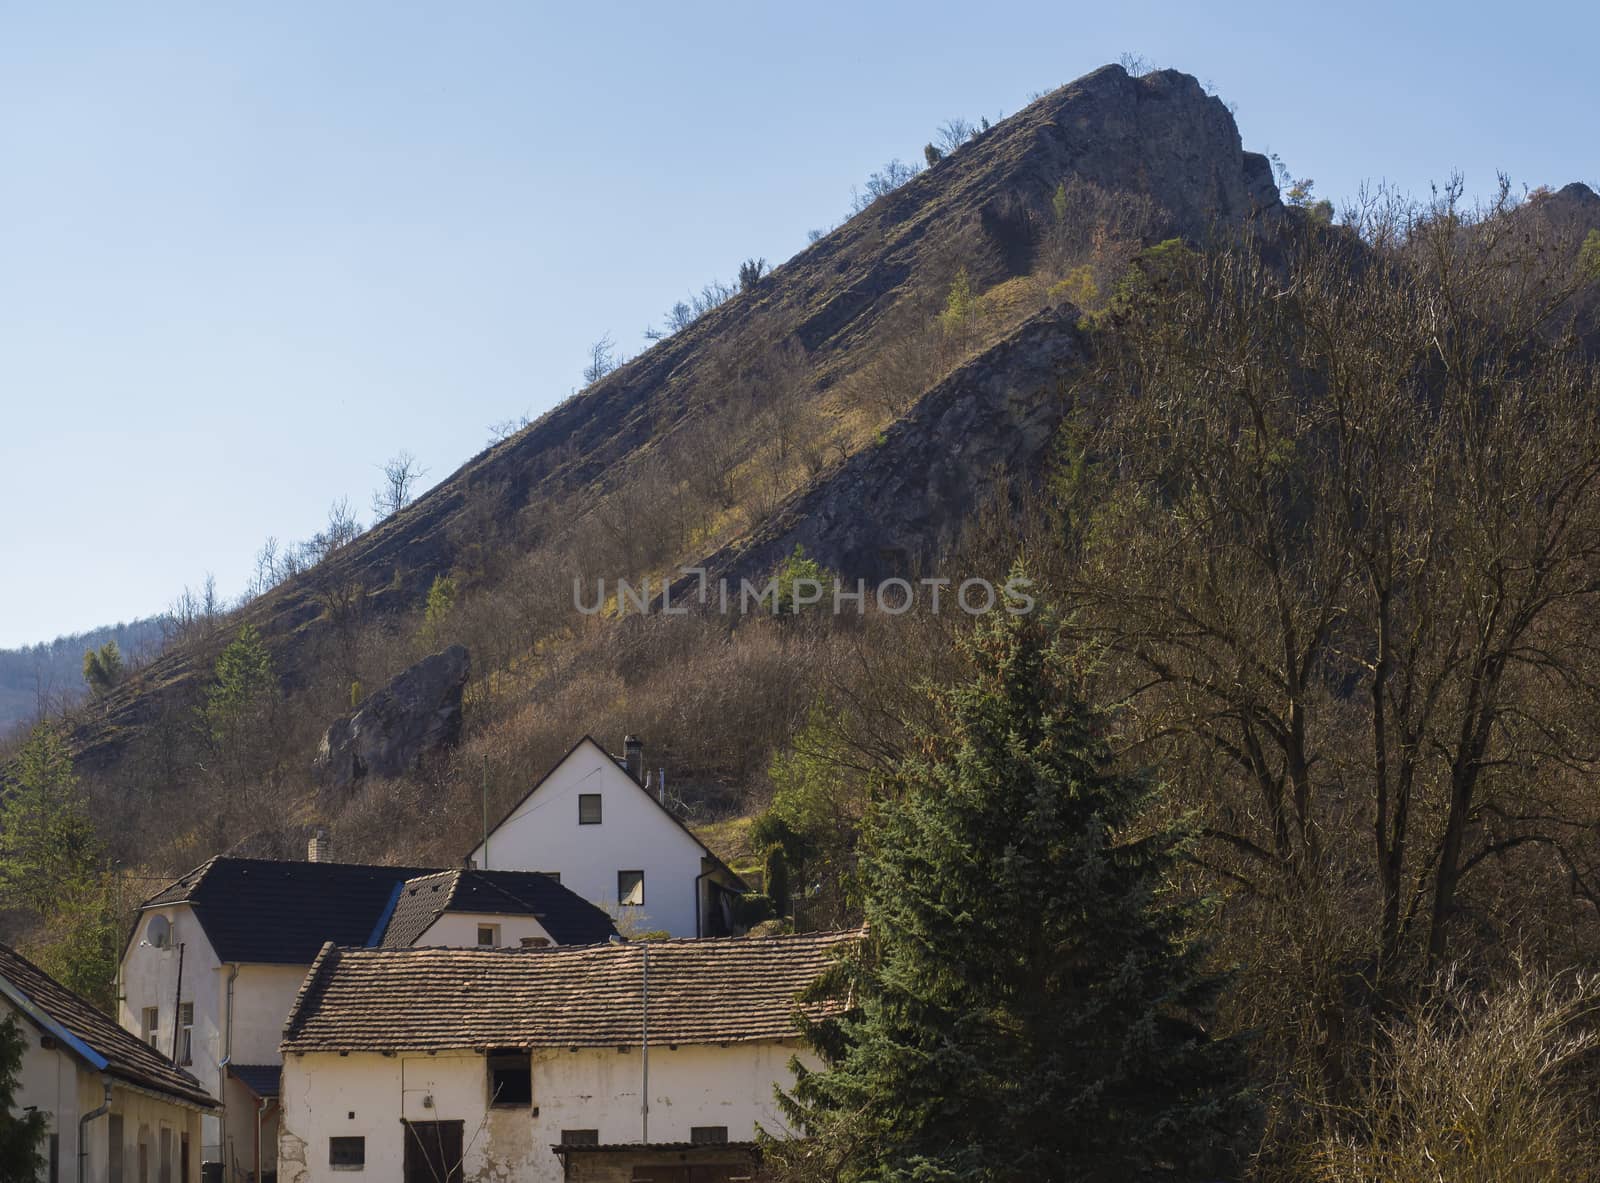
543	1064
215	962
116	1110
592	822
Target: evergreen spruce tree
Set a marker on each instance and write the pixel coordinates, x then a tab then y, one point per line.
21	1134
1030	1004
47	841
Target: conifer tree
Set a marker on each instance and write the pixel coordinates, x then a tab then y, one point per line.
21	1133
1030	1003
47	842
244	682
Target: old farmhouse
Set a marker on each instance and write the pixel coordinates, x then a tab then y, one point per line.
115	1109
543	1064
593	822
215	962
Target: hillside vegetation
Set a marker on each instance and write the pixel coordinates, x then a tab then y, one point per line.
1310	511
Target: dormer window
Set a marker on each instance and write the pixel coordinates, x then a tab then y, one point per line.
588	809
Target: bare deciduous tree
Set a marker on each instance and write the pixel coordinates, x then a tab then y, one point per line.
952	133
401	473
602	360
1338	528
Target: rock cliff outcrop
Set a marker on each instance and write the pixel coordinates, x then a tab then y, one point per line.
389	733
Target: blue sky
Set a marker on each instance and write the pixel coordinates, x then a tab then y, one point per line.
249	252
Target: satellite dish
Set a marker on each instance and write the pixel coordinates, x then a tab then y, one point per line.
158	932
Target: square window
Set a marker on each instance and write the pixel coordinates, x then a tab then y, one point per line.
347	1154
510	1078
488	936
630	888
580	1137
588	809
708	1135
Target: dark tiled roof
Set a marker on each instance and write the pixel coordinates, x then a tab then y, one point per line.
276	912
261	1079
710	990
565	915
127	1057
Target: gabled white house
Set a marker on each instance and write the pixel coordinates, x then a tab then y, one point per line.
215	962
592	822
116	1111
646	1060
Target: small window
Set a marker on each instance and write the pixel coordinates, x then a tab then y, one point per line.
580	1137
535	942
488	936
186	1033
588	809
630	888
510	1078
708	1135
347	1154
150	1024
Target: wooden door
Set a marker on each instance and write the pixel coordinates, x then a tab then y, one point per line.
433	1151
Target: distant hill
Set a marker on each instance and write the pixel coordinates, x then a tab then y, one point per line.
49	675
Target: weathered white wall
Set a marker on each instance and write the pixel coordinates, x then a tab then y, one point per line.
591	1088
543	834
61	1086
263	995
459	930
262	998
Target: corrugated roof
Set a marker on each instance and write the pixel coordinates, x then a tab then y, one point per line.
707	990
565	915
127	1057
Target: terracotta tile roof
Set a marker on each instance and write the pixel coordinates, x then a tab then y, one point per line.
126	1057
707	990
566	916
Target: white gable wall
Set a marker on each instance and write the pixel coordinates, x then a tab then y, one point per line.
635	834
592	1088
459	930
262	998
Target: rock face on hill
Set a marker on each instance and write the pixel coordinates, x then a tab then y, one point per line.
894	505
417	713
995	415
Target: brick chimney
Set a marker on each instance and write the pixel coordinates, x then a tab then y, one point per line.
320	848
633	757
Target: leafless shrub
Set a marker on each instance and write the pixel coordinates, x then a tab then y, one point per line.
1492	1084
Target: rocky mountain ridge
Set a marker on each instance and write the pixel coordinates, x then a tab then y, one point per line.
894	502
